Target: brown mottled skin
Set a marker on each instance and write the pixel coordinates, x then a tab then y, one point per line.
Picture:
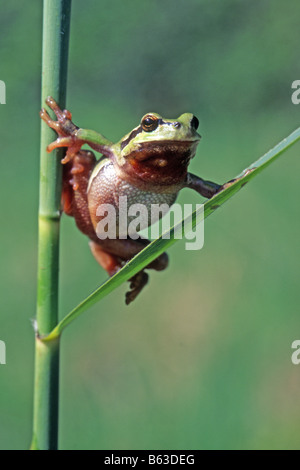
152	171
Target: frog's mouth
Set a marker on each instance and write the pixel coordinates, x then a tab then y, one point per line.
159	163
167	152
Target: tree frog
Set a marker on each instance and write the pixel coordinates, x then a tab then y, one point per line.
148	165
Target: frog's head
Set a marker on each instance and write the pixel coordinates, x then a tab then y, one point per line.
159	150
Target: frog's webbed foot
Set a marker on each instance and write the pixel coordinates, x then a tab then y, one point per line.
137	283
227	185
231	182
64	127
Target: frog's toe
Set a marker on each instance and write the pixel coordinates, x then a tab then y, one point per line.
227	185
61	115
74	145
137	283
64	125
52	103
60	142
47	119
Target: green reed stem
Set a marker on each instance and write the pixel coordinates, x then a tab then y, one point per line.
56	25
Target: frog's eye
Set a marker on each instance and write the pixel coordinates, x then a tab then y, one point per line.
195	123
149	123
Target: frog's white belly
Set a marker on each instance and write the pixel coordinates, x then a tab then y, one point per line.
131	204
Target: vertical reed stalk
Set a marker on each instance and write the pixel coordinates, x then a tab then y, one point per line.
56	25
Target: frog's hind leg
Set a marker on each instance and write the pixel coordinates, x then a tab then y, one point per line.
128	248
113	254
112	264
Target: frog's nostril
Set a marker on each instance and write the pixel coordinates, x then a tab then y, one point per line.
195	123
177	124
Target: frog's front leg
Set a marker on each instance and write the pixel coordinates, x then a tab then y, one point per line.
70	135
205	188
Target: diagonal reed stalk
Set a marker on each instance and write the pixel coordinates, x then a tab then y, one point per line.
56	25
165	241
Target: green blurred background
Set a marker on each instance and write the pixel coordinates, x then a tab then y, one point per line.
202	359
